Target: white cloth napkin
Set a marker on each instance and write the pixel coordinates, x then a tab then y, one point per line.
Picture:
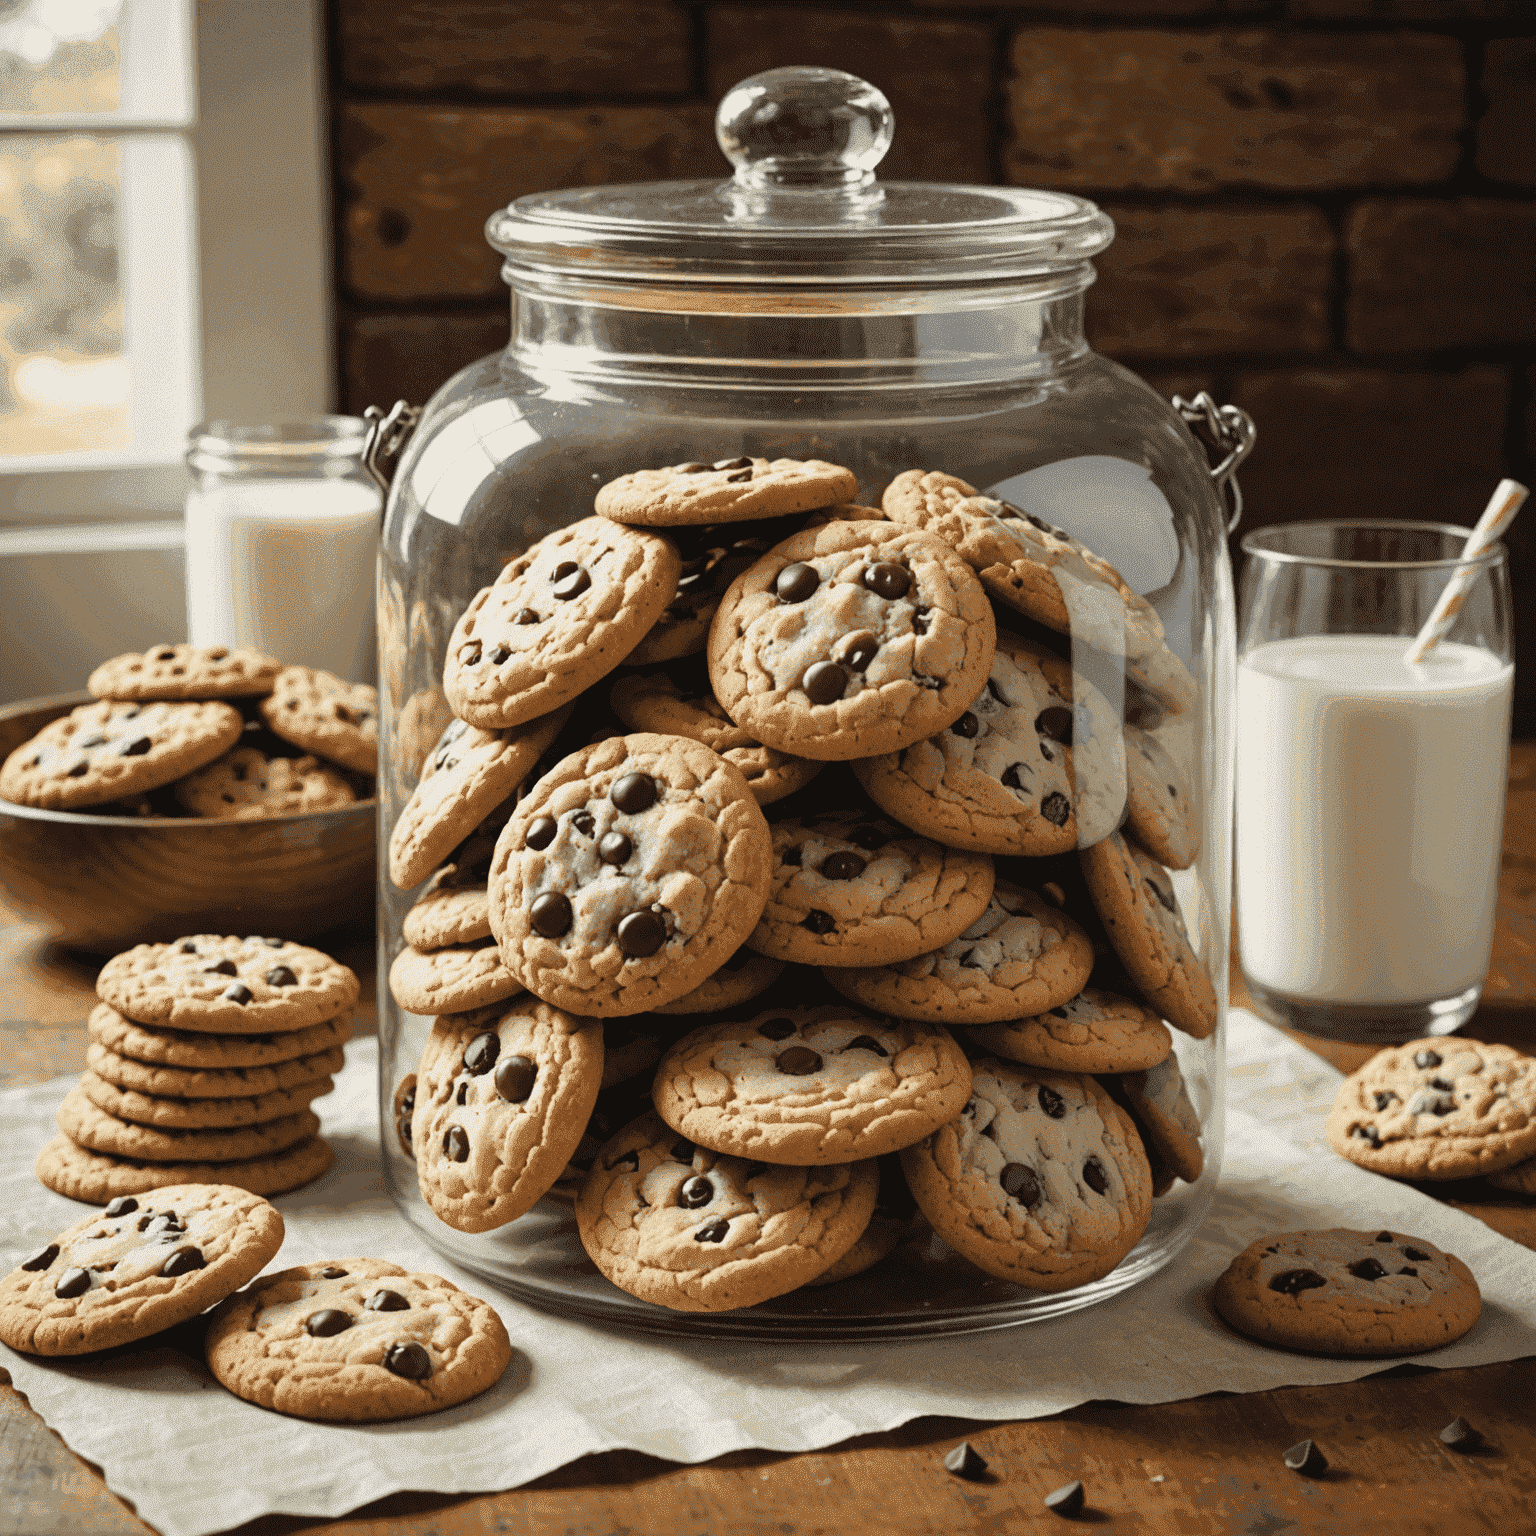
194	1459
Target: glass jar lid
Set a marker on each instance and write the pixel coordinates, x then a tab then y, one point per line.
803	208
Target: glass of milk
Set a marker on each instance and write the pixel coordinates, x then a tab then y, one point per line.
1370	791
282	532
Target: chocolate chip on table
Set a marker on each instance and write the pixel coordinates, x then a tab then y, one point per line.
1053	1104
866	1043
1366	1269
481	1053
456	1144
824	682
857	650
72	1283
1460	1436
795	583
842	865
819	922
515	1077
1066	1501
798	1061
1095	1177
121	1206
408	1360
570	580
713	1231
776	1029
386	1301
551	915
695	1192
1426	1058
641	934
237	992
634	793
967	726
43	1257
614	848
887	579
541	833
1292	1282
965	1462
281	976
327	1322
1305	1458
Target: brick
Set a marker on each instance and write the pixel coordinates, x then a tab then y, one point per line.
1427	276
516	48
937	74
1409	10
419	182
385	358
1194	111
1372	443
1201	282
1506	133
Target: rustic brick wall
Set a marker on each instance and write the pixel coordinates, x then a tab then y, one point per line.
1326	208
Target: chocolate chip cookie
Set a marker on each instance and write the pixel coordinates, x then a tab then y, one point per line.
325	715
247	785
1021	956
1338	1292
1092	1032
744	976
851	640
1040	1180
724	491
449	914
163	1112
1161	814
216	1053
1437	1109
556	620
356	1341
685	1228
1160	1105
630	872
206	1083
108	750
98	1177
853	890
454	978
502	1098
183	671
90	1127
811	1086
136	1268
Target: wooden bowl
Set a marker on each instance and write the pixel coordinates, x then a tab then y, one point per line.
105	883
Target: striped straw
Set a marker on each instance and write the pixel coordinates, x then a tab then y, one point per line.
1497	516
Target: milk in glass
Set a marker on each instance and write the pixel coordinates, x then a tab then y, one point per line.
1370	795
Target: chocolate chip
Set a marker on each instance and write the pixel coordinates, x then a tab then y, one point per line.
1095	1177
1460	1436
634	793
1366	1269
842	865
713	1231
641	934
1426	1058
741	463
386	1301
1020	1182
72	1283
333	1272
869	838
695	1192
866	1043
121	1206
798	1061
183	1261
693	469
964	1462
327	1322
163	1225
237	992
135	748
570	580
1056	808
790	857
469	655
1416	1254
515	1078
1366	1133
551	915
462	1096
408	1360
189	948
44	1256
738	477
614	848
1066	1501
541	833
819	922
887	579
1055	723
525	616
78	771
1010	776
795	583
1292	1282
857	650
1385	1097
1054	1105
824	682
682	1151
1441	1084
1408	1269
776	1029
1305	1458
456	1144
95	739
920	621
281	976
584	822
481	1053
1385	1237
223	968
967	726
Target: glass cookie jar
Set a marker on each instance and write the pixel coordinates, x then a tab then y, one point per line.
800	309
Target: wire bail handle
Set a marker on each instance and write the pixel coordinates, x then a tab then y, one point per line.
388	433
1227	430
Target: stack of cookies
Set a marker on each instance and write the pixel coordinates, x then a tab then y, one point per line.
205	1055
753	795
207	731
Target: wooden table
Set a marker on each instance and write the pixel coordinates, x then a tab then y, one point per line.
1208	1465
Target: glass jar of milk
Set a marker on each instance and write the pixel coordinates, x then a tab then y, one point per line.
282	538
1370	789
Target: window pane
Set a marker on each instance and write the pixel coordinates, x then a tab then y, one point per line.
59	56
64	379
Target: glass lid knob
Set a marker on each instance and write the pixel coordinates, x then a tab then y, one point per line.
806	129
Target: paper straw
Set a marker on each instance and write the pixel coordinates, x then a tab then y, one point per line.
1497	516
